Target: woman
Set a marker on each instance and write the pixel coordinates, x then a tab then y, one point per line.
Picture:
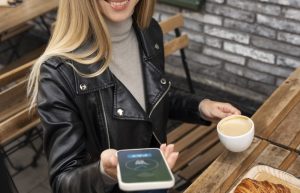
100	87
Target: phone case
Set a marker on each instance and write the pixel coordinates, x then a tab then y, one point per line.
143	169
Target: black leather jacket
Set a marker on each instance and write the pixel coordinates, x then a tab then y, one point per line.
82	117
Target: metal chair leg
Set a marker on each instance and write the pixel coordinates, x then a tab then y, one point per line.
185	65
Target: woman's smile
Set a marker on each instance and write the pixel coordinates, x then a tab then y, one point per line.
118	5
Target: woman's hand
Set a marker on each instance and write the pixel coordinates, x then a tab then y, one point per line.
109	162
214	111
170	155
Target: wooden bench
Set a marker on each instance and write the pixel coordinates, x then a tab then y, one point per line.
198	145
178	43
16	119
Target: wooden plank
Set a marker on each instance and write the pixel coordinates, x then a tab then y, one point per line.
30	56
17	125
198	148
272	156
176	44
180	131
294	169
202	161
192	137
222	168
288	161
287	132
295	142
171	23
30	9
276	107
15	74
15	31
13	100
242	167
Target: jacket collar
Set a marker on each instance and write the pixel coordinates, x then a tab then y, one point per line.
152	76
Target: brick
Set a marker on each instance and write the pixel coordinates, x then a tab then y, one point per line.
270	69
230	12
276	46
194	56
290	38
193	25
227	34
167	8
294	3
250	52
165	16
250	28
224	56
256	7
202	18
230	78
214	42
279	24
288	61
216	1
261	87
291	13
235	69
259	76
194	46
194	36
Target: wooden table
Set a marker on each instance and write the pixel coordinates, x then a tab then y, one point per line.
277	142
278	119
28	10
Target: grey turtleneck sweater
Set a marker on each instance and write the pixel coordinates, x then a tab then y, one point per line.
126	61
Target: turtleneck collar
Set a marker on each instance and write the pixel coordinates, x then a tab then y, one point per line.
119	30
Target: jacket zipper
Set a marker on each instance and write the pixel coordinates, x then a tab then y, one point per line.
156	106
105	119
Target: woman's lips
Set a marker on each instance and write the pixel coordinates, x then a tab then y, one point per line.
118	4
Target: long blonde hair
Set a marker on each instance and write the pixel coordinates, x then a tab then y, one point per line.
77	22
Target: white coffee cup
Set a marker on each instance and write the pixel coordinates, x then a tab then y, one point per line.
236	132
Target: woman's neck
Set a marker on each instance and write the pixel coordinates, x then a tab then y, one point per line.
119	30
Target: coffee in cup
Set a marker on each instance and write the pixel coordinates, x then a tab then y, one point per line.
236	132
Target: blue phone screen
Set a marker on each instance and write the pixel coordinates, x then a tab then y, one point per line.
144	165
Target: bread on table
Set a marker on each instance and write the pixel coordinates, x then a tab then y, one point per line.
253	186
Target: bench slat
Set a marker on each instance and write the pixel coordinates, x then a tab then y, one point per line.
201	162
171	23
198	148
176	44
15	74
180	131
192	137
17	125
13	100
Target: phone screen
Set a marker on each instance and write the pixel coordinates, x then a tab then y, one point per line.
143	165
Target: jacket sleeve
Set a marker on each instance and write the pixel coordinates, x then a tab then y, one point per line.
70	170
184	107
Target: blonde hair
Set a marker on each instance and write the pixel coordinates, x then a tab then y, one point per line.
78	21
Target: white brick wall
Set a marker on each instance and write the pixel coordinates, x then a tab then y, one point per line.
247	47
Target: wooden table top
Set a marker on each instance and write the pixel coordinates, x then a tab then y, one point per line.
277	142
11	17
225	172
278	119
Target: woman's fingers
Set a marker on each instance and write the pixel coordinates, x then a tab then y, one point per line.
172	159
109	162
169	154
228	108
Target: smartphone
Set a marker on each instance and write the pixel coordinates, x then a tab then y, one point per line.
143	169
